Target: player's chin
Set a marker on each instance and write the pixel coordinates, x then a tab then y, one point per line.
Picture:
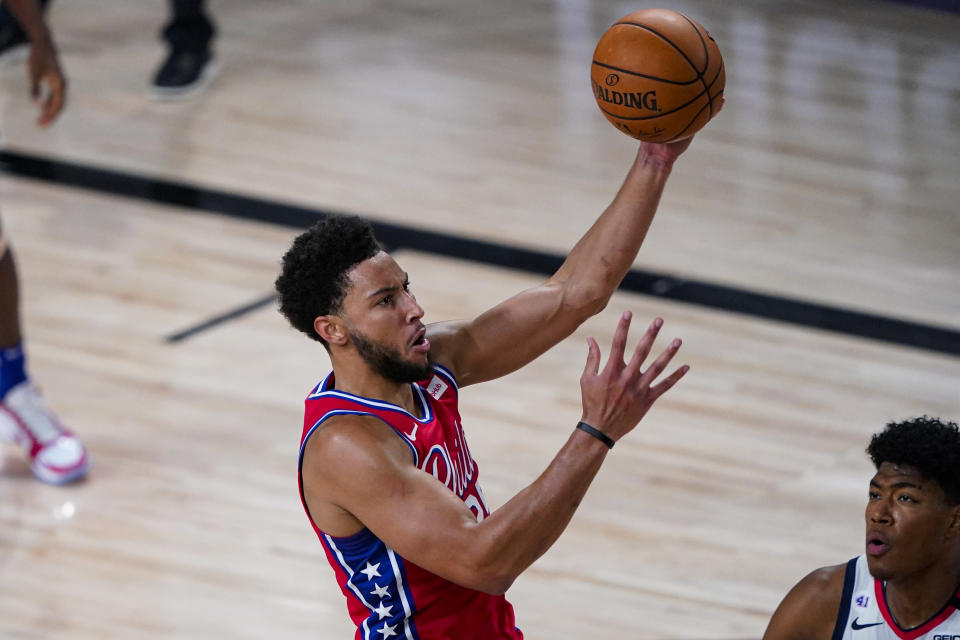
881	568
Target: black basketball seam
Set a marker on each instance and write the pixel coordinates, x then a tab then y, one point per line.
668	41
695	116
643	75
663	113
706	51
692	120
706	54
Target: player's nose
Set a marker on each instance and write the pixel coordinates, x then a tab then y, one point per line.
878	512
414	310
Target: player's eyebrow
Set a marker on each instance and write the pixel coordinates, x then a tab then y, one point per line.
390	288
383	290
903	484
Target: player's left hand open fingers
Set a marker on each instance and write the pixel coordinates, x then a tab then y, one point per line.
592	366
664	385
615	362
642	350
660	363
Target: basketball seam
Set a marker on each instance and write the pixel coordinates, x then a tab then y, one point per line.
643	75
668	41
709	104
706	65
692	120
661	114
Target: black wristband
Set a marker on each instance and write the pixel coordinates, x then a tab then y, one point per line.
596	433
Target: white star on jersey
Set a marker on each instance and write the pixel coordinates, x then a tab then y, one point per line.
388	630
371	571
384	612
380	592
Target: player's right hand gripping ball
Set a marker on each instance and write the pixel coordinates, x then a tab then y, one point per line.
657	75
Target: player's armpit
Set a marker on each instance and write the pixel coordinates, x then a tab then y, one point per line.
809	611
359	467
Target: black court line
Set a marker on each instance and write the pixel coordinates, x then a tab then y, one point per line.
705	294
180	336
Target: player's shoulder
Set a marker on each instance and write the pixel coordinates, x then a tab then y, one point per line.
344	431
819	592
351	441
810	608
826	580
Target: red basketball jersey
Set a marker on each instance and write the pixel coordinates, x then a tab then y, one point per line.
387	595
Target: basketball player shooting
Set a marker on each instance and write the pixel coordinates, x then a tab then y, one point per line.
386	476
906	584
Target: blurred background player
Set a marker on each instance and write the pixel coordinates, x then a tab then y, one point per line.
56	455
907	584
188	68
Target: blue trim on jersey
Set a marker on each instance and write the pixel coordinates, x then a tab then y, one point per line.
446	373
409	606
376	572
328	542
849	579
348	412
321	391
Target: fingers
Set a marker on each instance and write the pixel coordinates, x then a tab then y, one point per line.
660	363
593	358
643	347
664	385
619	341
53	103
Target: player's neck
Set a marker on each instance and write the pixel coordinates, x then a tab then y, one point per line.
915	599
361	380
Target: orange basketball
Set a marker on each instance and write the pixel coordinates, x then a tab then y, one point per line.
657	75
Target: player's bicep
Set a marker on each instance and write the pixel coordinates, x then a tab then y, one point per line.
367	471
505	337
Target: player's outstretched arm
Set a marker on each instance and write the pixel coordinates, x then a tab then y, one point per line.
358	467
809	611
518	330
43	66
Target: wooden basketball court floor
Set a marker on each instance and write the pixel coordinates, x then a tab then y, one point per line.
830	178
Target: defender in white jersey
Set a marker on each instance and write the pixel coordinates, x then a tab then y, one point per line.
907	584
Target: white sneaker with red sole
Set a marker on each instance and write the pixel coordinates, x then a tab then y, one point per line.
56	455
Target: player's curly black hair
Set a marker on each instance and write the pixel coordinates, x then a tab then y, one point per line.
930	445
313	279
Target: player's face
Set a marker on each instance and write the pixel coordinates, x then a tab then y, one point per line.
384	320
911	526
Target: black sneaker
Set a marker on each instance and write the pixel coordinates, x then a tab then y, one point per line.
14	45
184	74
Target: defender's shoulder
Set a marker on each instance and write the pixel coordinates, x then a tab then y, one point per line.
809	611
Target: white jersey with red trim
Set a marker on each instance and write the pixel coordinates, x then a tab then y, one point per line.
864	614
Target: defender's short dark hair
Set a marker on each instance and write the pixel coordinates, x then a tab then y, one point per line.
930	445
313	279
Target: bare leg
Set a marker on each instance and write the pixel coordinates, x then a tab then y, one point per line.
9	298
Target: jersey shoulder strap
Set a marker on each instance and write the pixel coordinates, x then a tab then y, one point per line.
849	580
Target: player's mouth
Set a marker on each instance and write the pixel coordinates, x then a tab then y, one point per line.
420	344
877	543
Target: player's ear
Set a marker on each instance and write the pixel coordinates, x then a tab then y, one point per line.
953	530
331	328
